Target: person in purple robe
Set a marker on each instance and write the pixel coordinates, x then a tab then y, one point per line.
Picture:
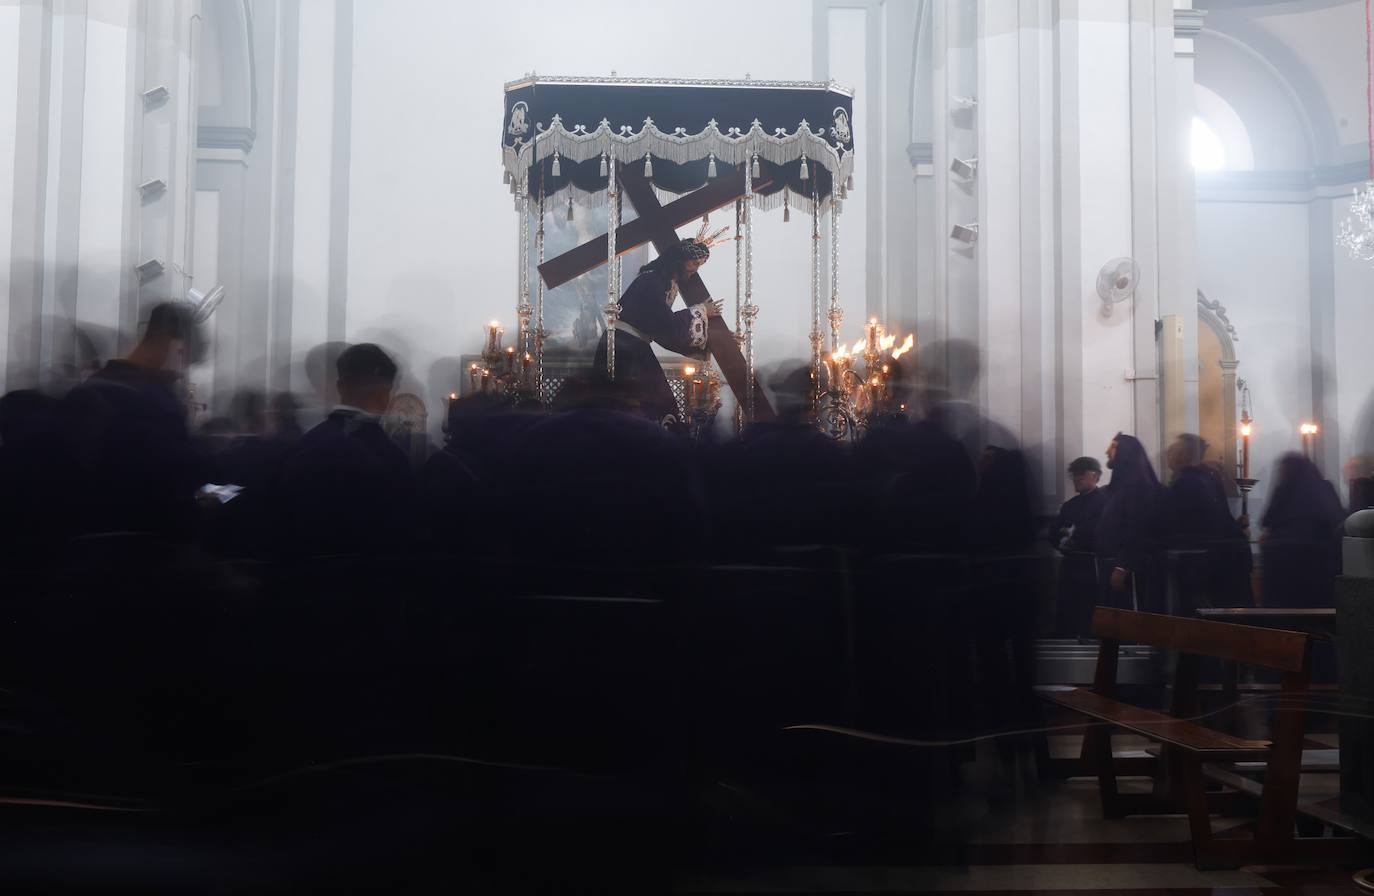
1128	532
1300	543
647	317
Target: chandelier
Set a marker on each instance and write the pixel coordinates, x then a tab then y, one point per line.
1356	232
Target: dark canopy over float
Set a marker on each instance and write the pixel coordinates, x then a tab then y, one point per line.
559	132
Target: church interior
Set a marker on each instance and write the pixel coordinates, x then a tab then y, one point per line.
826	446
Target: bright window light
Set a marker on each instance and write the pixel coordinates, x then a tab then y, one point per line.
1208	153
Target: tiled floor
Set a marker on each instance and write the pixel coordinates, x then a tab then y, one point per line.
1046	839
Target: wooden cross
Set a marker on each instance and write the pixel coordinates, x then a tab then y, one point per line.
658	224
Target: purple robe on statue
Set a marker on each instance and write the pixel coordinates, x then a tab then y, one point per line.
646	317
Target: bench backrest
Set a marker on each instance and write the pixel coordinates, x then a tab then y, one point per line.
1246	644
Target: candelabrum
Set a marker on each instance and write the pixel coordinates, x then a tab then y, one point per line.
700	397
1356	232
1246	486
503	371
852	401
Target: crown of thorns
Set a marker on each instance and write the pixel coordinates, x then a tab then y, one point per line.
699	246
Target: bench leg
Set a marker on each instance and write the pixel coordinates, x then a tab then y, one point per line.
1189	769
1098	743
1279	802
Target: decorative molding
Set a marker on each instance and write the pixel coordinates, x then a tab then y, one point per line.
1188	23
1341	175
532	79
217	137
1219	322
921	154
1293	185
234	156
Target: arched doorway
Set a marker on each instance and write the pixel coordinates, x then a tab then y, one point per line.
1216	355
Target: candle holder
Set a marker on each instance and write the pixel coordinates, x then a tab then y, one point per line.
1245	486
852	402
700	398
505	370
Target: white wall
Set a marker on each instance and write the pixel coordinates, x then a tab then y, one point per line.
9	107
1253	259
103	164
309	264
1104	152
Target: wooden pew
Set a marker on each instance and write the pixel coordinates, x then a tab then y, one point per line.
1190	752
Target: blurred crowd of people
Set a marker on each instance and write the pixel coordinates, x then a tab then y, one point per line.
591	477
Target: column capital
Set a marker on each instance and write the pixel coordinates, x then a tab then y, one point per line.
1188	23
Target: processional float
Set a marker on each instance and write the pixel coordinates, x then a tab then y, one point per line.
706	146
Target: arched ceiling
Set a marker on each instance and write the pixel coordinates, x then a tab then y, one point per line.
1316	51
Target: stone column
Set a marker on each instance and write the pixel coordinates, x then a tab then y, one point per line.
1355	632
166	83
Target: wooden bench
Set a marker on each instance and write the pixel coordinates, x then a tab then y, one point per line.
1192	753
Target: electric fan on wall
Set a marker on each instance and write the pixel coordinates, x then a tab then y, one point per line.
203	305
1116	282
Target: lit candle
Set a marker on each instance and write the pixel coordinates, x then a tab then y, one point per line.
510	359
1309	437
493	339
525	360
1245	450
474	376
689	387
872	335
486	378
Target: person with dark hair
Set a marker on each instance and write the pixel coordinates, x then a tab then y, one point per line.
128	425
646	317
1210	556
1301	536
1128	530
1074	534
345	487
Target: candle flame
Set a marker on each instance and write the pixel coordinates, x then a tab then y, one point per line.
453	396
907	345
1245	430
688	371
1308	429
